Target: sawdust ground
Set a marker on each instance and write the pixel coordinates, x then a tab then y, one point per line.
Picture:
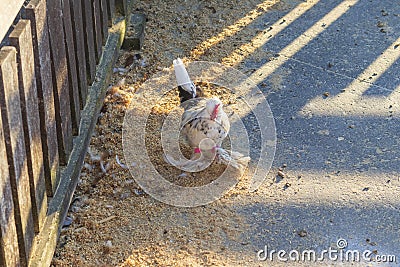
114	223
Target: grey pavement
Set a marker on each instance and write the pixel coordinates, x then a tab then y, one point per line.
334	91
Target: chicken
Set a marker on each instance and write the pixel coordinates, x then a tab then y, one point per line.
204	124
203	119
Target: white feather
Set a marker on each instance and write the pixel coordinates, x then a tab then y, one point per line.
197	124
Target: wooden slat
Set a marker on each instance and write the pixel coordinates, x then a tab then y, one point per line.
111	10
58	208
88	25
97	28
72	72
15	148
104	19
8	11
80	56
9	254
36	13
60	79
21	38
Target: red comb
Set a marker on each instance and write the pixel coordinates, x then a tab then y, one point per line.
215	112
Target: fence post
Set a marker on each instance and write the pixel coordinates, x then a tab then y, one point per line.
111	10
104	19
97	28
9	253
21	39
88	27
15	148
36	12
72	67
80	56
60	79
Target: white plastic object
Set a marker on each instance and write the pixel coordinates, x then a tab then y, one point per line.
182	76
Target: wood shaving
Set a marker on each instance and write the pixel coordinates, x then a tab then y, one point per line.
141	230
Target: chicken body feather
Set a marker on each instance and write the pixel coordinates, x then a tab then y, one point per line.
204	125
205	121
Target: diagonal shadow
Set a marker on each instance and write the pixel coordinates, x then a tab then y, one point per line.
342	168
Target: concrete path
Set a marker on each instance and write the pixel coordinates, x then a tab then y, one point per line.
335	78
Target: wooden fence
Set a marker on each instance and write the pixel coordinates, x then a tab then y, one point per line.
48	62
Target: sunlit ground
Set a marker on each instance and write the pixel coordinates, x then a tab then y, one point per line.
329	70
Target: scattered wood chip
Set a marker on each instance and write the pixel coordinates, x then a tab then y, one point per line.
106	219
281	174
